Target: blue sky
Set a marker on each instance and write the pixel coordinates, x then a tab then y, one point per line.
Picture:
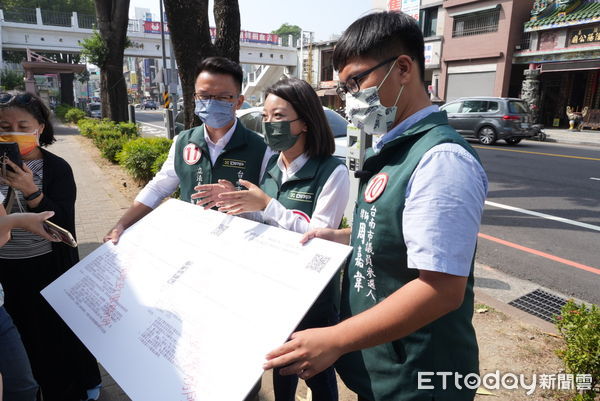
324	17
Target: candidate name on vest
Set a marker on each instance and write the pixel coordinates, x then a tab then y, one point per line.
378	267
241	159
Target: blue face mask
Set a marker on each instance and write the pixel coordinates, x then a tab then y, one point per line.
214	113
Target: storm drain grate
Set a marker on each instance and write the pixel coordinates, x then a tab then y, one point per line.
540	303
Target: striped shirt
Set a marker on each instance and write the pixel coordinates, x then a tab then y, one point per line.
24	244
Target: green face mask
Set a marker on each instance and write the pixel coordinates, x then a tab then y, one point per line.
278	135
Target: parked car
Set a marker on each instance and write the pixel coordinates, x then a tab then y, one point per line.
94	110
149	104
252	119
490	118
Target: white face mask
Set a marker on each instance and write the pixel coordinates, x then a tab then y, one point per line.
365	111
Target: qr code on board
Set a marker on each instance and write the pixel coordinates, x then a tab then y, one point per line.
317	263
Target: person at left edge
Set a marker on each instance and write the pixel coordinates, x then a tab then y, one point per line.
222	148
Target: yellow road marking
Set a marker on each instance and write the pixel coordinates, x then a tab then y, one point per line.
538	153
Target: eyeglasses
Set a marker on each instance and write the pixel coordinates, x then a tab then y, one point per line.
352	86
204	96
7	98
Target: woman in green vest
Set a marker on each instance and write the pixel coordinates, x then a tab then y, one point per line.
304	187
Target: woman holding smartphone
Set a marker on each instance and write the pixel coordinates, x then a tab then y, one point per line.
304	187
62	366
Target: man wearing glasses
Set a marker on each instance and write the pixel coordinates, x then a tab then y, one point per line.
407	295
220	149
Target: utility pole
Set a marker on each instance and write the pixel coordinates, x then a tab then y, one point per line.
165	92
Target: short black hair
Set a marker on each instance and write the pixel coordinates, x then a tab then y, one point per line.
304	100
33	105
222	65
379	36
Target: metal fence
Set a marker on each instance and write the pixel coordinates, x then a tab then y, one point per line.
87	21
56	18
21	15
476	23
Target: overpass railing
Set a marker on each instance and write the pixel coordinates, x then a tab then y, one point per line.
21	15
57	18
40	17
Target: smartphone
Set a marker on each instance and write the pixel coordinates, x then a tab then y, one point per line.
10	150
64	235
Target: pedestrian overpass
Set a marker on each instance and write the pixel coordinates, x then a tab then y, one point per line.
51	31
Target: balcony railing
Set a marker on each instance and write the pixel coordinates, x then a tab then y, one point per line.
134	26
57	18
87	21
20	15
476	23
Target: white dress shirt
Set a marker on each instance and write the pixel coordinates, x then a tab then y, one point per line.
445	197
165	182
329	208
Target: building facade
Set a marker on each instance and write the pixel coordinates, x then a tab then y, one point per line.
560	57
480	38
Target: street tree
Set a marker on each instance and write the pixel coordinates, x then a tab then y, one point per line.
190	34
285	30
105	49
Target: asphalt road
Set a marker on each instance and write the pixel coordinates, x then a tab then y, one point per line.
152	122
558	181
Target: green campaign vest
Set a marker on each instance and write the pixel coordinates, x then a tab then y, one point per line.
378	267
300	194
241	159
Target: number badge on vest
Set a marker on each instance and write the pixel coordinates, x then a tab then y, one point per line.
301	214
376	187
191	154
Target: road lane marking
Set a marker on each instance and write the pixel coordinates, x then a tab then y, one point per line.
594	178
152	125
543	215
542	254
537	153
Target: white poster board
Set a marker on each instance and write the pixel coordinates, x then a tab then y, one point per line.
189	302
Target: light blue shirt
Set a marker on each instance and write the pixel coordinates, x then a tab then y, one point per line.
399	129
445	197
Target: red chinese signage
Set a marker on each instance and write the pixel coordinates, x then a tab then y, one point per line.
154	27
394	5
245	36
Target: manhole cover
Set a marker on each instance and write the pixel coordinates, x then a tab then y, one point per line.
540	303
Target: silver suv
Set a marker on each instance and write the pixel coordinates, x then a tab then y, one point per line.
490	118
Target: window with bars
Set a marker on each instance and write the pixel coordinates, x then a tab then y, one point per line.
476	23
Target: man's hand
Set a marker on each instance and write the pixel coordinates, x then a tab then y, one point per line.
341	236
114	234
208	194
236	202
308	353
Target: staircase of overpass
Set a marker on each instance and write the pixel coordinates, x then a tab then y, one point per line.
52	31
258	81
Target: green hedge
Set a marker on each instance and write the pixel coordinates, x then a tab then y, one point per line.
73	115
121	143
138	156
61	110
107	135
